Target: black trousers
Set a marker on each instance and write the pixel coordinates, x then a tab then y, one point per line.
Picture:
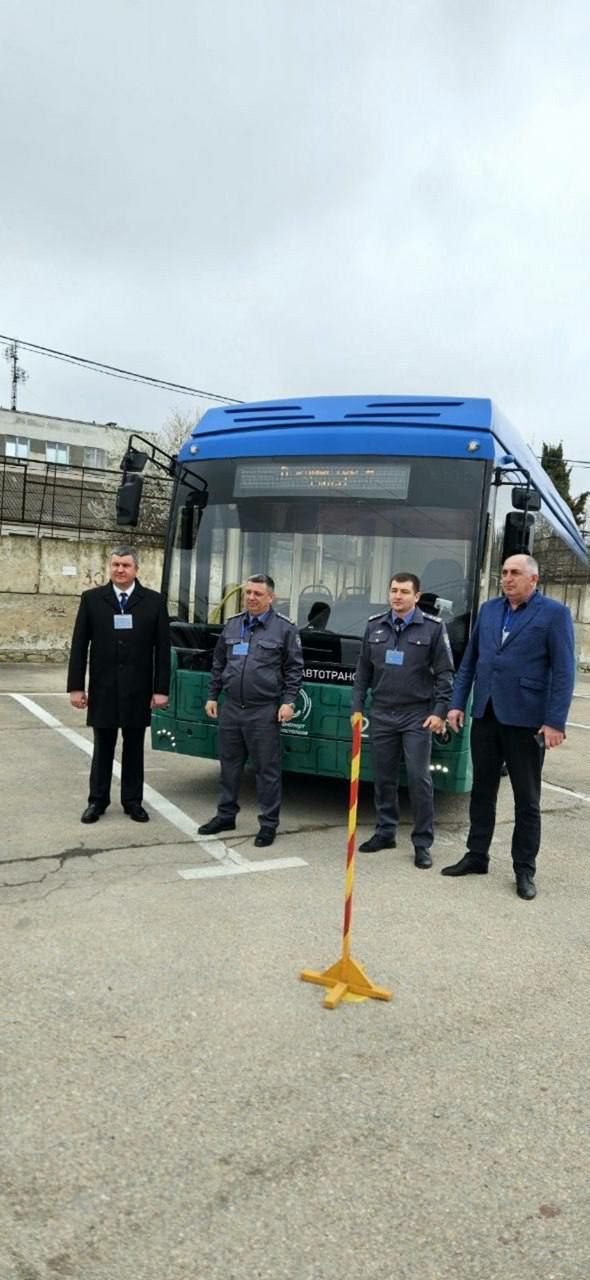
254	733
101	769
493	743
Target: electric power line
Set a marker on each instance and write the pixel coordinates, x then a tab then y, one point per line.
127	375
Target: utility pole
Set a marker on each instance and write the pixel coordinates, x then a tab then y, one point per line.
18	373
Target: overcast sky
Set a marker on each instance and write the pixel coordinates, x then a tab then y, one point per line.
284	197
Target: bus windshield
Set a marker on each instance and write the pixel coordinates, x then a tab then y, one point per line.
330	532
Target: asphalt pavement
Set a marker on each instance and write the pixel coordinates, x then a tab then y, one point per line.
178	1105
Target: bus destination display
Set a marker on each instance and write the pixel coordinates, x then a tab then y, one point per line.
291	479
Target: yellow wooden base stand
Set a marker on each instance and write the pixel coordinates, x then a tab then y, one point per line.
343	978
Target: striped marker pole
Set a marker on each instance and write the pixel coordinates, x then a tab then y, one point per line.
346	976
355	768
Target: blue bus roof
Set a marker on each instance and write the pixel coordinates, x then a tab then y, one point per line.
426	426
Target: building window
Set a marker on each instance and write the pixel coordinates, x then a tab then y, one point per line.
17	447
56	452
95	457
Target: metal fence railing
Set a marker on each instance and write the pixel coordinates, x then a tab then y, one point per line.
53	498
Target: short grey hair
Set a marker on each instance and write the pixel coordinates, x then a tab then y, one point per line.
530	563
125	551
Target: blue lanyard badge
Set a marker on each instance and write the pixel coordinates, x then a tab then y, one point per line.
241	649
123	622
508	619
394	657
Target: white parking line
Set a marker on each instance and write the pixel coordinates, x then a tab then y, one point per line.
565	791
266	864
230	861
574	725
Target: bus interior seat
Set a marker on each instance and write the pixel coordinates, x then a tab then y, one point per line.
318	616
444	578
308	596
351	613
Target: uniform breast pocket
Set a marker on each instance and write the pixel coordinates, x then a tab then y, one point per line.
417	650
268	651
418	658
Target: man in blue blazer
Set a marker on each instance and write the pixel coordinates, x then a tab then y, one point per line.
520	660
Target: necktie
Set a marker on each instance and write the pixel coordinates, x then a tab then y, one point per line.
123	598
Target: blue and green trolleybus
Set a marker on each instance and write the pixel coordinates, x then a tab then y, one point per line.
330	496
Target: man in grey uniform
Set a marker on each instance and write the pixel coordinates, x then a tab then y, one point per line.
258	665
406	660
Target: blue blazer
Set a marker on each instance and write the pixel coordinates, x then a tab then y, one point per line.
530	678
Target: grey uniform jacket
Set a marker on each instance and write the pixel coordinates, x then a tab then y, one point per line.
422	682
272	669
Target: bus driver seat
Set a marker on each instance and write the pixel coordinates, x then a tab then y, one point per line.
445	579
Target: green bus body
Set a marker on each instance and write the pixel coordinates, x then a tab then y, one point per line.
317	741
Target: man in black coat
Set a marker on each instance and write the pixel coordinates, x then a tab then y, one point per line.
125	627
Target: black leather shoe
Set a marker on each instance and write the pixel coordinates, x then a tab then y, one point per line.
422	858
525	885
377	842
216	824
468	865
137	812
92	813
265	837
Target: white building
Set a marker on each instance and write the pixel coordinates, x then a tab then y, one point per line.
39	438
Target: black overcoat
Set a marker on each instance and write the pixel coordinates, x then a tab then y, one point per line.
126	667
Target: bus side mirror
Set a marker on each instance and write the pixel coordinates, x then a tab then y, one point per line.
134	460
524	499
518	535
128	500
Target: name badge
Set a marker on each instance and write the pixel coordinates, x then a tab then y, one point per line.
123	622
394	657
240	649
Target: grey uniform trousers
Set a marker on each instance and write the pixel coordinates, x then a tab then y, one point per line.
254	733
392	733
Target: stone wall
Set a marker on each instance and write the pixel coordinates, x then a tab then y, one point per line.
40	584
577	598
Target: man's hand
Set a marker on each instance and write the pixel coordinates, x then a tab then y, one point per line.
435	723
553	737
79	700
211	708
159	700
456	719
285	712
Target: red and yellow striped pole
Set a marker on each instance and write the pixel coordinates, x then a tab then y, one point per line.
346	976
355	768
